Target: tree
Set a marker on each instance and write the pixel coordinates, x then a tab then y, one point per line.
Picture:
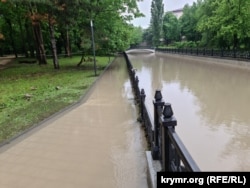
136	36
148	36
66	23
52	22
188	23
171	28
110	18
157	10
9	16
227	21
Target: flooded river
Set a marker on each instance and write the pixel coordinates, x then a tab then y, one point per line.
210	102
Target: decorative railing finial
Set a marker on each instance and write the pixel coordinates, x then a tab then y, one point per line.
167	111
158	95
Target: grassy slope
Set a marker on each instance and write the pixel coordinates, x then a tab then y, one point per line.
29	93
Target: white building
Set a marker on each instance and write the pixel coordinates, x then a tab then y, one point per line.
178	12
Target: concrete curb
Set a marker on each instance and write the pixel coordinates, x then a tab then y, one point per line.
154	166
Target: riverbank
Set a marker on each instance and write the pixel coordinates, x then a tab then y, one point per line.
222	61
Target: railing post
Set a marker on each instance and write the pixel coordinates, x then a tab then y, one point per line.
137	90
234	53
142	100
133	78
158	105
168	120
221	53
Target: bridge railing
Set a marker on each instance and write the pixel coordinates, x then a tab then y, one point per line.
235	54
141	47
164	143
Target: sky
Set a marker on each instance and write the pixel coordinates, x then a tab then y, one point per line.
169	5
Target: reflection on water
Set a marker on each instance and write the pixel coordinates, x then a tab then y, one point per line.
211	104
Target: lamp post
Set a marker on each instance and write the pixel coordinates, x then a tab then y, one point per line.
93	44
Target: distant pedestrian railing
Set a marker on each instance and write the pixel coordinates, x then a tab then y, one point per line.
241	55
142	47
164	143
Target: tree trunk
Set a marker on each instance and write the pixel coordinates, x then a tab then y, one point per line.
8	21
68	52
82	59
53	43
24	49
41	56
30	43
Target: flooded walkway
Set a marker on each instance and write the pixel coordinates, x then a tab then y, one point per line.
96	144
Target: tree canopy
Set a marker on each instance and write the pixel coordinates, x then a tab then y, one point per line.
226	22
157	11
44	28
206	23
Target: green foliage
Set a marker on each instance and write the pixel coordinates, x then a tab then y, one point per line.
186	44
112	36
157	11
148	36
210	23
225	23
171	28
188	22
136	36
71	22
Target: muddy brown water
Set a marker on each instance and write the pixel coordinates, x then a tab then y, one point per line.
211	103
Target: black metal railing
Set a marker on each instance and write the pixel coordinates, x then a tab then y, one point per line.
219	53
164	143
142	47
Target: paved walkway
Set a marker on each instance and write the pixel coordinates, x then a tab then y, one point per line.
95	144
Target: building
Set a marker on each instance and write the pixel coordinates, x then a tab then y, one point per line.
178	12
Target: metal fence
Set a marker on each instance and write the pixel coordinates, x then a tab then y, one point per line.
232	54
164	143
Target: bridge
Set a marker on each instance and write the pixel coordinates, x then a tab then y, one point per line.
140	49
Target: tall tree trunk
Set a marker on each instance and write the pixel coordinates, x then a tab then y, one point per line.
82	59
8	21
68	51
53	43
30	43
41	56
24	49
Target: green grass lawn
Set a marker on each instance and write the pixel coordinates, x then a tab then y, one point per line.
30	93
